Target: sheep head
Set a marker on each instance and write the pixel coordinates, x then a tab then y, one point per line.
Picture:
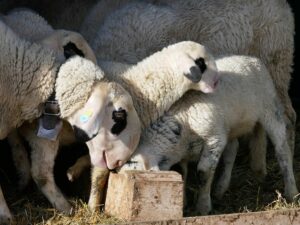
197	63
109	125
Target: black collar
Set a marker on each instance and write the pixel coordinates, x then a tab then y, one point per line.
51	106
50	122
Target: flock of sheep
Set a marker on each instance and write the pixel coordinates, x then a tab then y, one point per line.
151	83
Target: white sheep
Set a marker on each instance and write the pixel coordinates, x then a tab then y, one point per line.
169	73
200	126
136	30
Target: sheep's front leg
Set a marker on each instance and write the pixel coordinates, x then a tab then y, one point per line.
20	159
184	168
5	215
42	159
80	165
228	159
99	180
206	167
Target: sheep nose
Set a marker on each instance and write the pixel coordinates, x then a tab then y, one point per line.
195	74
81	135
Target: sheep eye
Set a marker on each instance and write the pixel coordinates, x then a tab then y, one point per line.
120	118
201	63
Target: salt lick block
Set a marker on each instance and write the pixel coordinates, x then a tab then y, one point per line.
145	195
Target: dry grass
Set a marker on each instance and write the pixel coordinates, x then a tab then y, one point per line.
31	213
245	194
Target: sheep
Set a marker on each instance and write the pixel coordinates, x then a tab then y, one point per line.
32	27
200	127
136	30
24	101
151	101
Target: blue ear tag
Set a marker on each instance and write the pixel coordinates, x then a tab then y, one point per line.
86	116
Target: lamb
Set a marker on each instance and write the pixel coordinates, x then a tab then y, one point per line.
200	125
203	126
136	30
29	75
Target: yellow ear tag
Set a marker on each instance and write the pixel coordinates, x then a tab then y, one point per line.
86	116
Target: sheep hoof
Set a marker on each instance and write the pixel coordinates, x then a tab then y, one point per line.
23	183
66	209
93	206
204	206
260	175
292	196
71	174
219	193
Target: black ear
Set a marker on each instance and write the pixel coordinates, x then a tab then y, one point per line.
201	63
71	49
120	118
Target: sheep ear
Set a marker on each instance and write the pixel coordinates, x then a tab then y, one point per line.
71	49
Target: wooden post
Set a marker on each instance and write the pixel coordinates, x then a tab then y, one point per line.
145	195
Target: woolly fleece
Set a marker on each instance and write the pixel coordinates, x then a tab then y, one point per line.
74	84
27	76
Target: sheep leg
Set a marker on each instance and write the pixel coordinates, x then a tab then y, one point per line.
5	215
290	114
228	158
279	62
206	167
80	165
276	128
20	159
43	159
99	180
184	167
258	152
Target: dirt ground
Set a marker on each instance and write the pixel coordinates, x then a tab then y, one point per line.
245	194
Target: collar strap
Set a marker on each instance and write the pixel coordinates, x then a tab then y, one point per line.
51	107
50	122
